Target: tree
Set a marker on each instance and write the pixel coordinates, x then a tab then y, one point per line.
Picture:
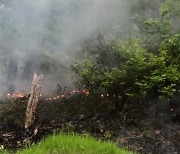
160	25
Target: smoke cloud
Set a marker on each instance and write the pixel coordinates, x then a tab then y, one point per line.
45	36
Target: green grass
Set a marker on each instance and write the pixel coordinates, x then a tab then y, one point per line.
73	144
4	152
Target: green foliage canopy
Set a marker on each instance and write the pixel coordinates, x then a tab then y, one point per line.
134	74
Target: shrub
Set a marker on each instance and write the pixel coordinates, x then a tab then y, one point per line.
136	76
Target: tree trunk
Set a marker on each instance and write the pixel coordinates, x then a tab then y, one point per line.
33	100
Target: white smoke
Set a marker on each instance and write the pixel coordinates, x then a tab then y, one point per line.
54	28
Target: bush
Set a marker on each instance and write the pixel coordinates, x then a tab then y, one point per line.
129	73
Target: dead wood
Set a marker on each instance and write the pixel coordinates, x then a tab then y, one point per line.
33	99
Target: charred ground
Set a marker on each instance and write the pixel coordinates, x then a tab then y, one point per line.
145	133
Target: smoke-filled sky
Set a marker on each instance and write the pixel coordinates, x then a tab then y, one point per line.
54	29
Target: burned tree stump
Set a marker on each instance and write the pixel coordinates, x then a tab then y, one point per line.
33	100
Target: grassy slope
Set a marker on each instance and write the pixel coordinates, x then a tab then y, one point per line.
73	144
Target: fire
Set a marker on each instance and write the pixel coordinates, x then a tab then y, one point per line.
85	91
63	96
16	95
